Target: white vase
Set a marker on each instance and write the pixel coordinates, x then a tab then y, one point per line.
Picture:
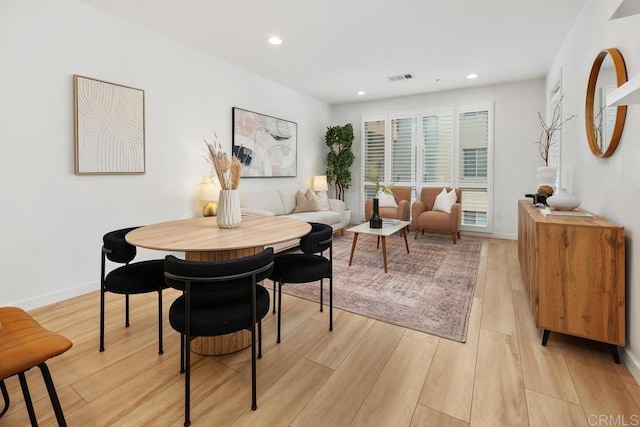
229	209
547	175
563	201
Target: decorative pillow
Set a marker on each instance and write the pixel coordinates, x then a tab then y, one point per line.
453	195
386	200
310	202
323	197
445	200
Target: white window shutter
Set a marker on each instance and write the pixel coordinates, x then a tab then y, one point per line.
437	135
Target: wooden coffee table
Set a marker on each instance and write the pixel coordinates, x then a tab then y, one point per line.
382	233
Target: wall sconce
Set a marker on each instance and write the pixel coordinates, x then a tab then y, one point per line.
320	183
209	192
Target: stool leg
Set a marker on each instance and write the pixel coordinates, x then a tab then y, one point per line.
5	395
55	402
27	399
321	292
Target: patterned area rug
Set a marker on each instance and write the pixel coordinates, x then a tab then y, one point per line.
429	290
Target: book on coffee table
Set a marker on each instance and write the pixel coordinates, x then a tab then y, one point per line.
390	221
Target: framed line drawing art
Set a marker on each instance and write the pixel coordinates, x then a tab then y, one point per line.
108	128
266	146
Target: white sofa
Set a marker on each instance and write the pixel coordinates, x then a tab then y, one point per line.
283	203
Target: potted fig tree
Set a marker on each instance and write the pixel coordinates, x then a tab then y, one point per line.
340	157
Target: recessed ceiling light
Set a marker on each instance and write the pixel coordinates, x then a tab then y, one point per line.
361	92
275	40
472	76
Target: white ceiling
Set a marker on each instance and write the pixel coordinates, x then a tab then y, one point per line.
334	48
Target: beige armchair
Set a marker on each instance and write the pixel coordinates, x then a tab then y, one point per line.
426	219
402	212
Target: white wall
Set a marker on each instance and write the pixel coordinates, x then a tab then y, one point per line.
607	187
515	129
52	220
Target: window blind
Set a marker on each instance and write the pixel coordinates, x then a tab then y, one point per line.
374	152
437	135
403	151
473	143
473	134
475	206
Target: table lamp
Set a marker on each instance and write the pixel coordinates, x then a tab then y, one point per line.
320	183
209	192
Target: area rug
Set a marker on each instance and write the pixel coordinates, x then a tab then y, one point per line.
428	290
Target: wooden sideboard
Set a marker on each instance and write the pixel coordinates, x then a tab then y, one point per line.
574	271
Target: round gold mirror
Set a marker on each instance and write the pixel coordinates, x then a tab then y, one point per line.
604	123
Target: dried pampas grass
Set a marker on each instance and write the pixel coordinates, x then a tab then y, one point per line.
227	170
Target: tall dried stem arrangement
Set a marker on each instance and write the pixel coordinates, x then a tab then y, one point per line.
548	129
227	170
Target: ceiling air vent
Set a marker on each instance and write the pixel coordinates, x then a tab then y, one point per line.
405	76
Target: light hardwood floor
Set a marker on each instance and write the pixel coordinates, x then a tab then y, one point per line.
365	372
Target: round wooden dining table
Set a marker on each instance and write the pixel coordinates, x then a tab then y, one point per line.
202	240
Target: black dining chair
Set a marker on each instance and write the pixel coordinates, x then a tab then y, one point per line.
309	266
218	298
131	278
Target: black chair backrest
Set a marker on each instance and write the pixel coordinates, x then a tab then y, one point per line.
117	248
318	240
230	275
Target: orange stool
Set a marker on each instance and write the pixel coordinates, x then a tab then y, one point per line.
23	345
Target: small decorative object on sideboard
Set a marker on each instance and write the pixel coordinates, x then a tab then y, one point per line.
228	172
546	177
539	200
563	201
545	190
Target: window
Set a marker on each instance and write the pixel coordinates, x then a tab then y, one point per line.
474	162
374	151
444	147
473	141
403	150
437	149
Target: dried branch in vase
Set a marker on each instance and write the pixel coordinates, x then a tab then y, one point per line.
548	129
227	170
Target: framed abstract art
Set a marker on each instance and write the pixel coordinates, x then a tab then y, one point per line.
109	128
266	146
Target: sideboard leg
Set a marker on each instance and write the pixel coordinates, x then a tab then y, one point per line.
614	352
545	336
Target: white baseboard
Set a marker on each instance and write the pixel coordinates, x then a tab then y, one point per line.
506	236
632	363
52	298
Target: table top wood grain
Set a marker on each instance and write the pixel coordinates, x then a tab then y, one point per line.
203	234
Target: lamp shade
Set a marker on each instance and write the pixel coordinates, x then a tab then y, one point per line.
320	183
209	190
